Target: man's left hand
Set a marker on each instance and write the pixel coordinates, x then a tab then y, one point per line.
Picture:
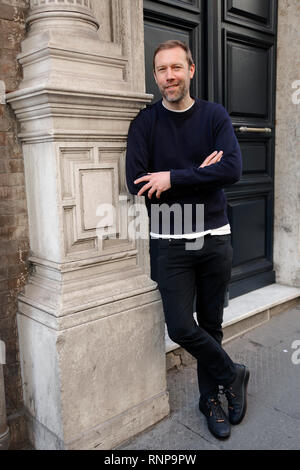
159	182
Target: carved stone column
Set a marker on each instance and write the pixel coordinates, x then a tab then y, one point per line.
90	320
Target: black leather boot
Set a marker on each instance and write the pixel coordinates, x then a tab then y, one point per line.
236	394
217	420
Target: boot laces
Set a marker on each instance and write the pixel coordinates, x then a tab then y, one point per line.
230	395
215	408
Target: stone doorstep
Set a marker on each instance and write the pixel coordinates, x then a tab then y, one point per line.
243	314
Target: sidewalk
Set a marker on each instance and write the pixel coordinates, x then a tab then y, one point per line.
272	420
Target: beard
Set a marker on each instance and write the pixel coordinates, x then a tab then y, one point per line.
177	94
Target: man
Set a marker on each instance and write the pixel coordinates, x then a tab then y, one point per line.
182	151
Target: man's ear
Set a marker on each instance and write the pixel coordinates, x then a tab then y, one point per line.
192	70
154	77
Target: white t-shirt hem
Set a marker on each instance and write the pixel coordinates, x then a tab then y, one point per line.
224	230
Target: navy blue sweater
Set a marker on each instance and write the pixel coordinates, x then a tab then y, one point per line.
161	140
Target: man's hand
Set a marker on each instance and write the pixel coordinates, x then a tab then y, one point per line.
212	158
159	182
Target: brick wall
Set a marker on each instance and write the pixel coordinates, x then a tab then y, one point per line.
14	243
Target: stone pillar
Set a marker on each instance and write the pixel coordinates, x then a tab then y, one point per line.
90	321
287	161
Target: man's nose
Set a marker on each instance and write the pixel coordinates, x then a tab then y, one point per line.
169	74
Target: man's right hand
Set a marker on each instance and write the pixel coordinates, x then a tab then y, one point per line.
212	158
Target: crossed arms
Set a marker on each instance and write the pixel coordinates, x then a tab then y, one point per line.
161	180
219	169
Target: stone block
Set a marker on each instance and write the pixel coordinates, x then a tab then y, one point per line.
16	166
18	431
97	376
172	360
7	12
236	329
284	306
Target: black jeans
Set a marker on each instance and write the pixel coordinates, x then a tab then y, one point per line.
196	280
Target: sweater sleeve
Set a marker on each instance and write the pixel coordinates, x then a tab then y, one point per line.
224	173
137	153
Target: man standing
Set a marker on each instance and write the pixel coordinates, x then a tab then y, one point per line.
181	153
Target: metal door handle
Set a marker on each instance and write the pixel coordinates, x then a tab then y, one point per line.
254	129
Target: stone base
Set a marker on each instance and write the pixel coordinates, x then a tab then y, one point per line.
96	384
104	436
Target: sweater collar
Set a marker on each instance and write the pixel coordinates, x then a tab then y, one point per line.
183	113
178	110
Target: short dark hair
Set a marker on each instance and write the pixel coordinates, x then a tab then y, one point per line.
170	45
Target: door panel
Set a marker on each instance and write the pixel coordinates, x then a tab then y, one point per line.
249	216
248	64
247	77
256	160
190	5
257	14
256	9
249	222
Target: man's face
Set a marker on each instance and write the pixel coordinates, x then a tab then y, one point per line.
173	74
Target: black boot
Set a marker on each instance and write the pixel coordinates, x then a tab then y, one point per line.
236	394
217	420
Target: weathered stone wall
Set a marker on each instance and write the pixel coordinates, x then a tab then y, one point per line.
287	161
14	245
